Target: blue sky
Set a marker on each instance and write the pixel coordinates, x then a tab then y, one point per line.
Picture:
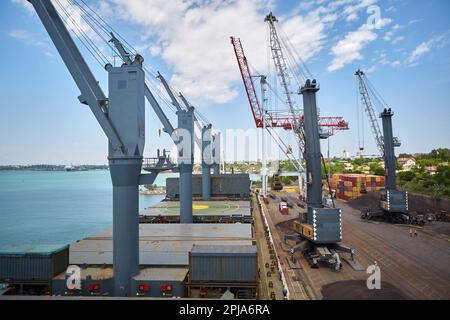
407	58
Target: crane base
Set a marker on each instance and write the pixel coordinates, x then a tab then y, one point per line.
385	216
319	254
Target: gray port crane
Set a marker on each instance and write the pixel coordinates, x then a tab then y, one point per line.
125	138
393	204
121	116
319	231
281	66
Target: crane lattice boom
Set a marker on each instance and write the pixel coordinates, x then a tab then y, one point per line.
279	60
248	81
275	118
368	106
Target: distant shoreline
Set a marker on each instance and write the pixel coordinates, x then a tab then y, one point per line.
156	191
53	168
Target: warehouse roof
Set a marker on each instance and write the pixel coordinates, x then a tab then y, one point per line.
219	250
162	274
38	249
178	231
162	244
200	208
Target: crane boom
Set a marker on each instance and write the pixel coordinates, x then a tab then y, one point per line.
282	71
174	100
91	92
274	118
280	63
248	81
368	106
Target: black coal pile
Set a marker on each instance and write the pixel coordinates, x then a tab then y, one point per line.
368	200
357	290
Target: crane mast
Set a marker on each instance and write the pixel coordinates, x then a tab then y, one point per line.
167	126
186	122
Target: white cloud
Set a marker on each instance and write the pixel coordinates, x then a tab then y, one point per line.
310	40
352	17
422	49
372	69
391	9
388	36
396	64
397	39
352	10
28	38
193	38
349	49
25	4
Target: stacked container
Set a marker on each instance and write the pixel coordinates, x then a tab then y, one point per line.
349	186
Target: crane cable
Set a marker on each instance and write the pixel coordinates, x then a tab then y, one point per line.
257	74
295	57
80	35
127	45
279	141
382	103
359	118
94	50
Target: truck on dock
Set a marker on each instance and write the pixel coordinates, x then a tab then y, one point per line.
283	207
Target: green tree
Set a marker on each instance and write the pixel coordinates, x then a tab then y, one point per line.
405	155
376	169
406	176
438	191
443	154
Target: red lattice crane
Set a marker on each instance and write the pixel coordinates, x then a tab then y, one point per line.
275	118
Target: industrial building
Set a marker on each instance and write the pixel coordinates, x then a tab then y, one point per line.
222	186
30	268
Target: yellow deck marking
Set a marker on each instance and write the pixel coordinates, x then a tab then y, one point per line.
200	207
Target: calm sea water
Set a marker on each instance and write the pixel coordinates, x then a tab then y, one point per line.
58	207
